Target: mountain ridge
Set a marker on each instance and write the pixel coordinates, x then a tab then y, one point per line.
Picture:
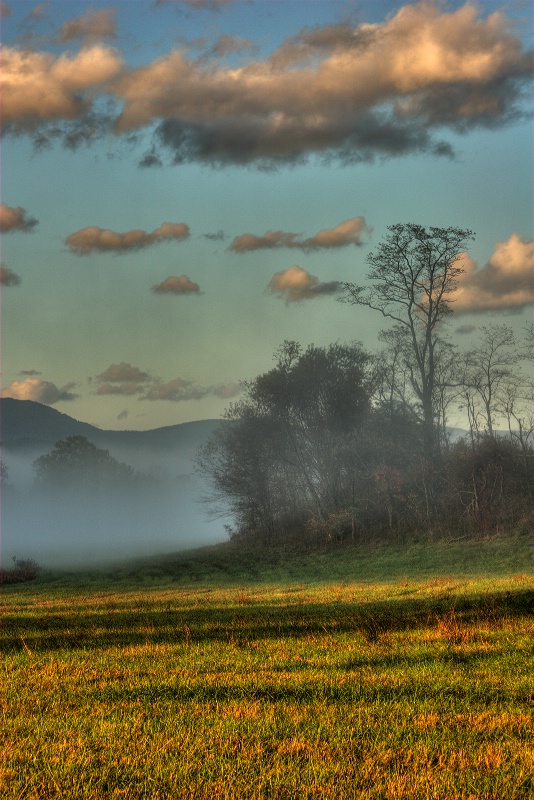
25	423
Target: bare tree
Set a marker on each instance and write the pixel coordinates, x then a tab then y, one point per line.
414	272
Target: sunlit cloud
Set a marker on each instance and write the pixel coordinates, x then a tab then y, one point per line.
351	231
94	25
94	239
177	285
351	93
39	391
295	284
505	283
39	88
8	277
15	219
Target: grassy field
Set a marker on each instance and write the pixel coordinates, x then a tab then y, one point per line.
378	673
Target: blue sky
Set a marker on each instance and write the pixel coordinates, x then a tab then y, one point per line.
185	184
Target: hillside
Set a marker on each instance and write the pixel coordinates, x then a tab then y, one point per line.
24	423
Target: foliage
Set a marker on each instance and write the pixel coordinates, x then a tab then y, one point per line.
22	571
414	272
290	448
75	461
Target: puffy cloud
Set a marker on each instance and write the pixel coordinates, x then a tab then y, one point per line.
380	89
40	391
90	26
228	390
505	283
295	284
40	87
123	372
15	219
177	285
8	277
122	379
351	231
88	240
350	93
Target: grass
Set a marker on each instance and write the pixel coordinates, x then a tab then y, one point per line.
375	673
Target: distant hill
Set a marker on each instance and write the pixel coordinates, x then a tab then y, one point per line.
25	424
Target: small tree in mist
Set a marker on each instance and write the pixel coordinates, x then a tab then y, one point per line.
75	461
413	274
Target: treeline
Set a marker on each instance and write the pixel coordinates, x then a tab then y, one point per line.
340	444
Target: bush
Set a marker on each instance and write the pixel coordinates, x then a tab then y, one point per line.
24	570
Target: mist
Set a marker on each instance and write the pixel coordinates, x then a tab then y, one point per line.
160	513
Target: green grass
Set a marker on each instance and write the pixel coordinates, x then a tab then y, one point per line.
375	673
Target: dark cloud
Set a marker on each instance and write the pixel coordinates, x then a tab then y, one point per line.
337	92
177	285
92	26
8	277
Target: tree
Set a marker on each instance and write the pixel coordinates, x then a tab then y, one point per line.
288	450
491	381
415	273
75	461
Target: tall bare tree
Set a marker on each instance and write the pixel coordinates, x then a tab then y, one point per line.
413	274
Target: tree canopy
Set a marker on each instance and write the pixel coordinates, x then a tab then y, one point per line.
77	461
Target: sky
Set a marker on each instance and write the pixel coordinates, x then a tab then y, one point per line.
185	184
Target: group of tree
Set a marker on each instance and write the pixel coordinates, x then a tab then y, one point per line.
338	443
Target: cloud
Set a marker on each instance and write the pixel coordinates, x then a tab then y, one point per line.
93	25
337	92
231	44
5	10
348	93
351	231
30	372
123	372
465	329
8	277
88	240
122	379
180	390
15	219
38	88
123	414
177	285
505	283
176	391
210	5
295	284
40	391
